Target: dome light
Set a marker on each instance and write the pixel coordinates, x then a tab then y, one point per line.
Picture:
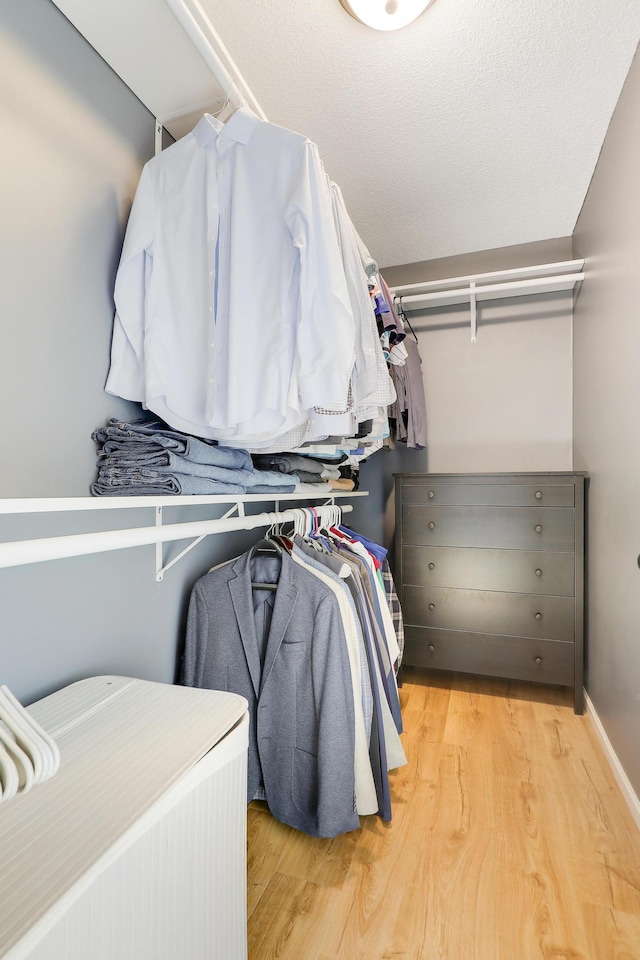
385	14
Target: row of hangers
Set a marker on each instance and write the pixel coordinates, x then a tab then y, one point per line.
309	523
28	755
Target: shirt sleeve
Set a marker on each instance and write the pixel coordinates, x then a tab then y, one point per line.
326	327
126	374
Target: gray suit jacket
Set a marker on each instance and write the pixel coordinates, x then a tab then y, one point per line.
301	740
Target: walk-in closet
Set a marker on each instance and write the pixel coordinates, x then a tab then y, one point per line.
319	538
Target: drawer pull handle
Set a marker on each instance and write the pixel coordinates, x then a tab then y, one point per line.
538	572
538	616
431	494
538	659
432	525
538	528
432	606
432	566
538	495
431	648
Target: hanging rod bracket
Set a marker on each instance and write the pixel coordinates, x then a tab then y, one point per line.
237	508
159	136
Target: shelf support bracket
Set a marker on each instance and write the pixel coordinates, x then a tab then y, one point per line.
160	569
159	136
474	312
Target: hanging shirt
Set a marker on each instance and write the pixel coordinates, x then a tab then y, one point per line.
370	372
233	315
365	790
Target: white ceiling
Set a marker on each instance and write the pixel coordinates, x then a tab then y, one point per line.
478	126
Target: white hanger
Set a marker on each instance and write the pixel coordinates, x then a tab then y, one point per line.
226	111
8	775
35	726
21	760
25	740
41	750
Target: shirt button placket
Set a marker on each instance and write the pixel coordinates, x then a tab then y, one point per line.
212	240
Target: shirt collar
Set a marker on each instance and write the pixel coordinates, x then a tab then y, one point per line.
239	127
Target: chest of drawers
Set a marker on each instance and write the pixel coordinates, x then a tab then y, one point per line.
491	574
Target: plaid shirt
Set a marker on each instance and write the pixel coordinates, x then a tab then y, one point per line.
394	606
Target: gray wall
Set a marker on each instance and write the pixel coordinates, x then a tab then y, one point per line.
74	139
607	423
502	403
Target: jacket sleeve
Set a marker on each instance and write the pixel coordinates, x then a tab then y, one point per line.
196	640
126	374
326	327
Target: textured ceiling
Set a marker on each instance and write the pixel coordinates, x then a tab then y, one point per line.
478	126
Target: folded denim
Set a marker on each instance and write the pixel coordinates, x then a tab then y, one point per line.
180	484
153	434
144	458
305	477
287	463
135	470
132	490
283	488
229	481
175	486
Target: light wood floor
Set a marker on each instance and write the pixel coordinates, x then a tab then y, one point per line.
509	841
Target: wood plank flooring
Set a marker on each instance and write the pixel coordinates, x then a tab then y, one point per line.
509	841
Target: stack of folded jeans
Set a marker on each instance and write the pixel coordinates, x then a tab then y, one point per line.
306	468
146	457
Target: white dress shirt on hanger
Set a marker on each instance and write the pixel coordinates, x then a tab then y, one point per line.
233	317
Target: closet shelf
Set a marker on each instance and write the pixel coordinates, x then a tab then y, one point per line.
498	285
20	552
168	53
73	504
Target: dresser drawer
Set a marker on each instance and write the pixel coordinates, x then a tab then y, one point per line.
517	571
486	611
516	528
517	658
490	494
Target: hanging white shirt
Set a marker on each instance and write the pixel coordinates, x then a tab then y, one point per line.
233	316
372	383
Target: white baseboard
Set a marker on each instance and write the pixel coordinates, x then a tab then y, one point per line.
628	792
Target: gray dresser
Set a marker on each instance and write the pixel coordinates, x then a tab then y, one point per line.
490	569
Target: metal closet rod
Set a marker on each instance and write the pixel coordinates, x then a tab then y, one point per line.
20	552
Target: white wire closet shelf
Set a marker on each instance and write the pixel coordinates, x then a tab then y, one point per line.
497	285
21	552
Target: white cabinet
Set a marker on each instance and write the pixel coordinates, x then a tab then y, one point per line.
136	849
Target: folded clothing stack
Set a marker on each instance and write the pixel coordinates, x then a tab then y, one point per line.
308	469
145	457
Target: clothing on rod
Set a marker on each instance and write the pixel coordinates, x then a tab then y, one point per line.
408	413
242	305
320	643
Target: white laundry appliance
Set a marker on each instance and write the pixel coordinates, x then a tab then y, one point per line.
136	848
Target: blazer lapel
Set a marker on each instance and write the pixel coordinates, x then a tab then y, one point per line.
285	600
240	590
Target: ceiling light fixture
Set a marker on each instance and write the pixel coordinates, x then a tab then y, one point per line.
386	14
